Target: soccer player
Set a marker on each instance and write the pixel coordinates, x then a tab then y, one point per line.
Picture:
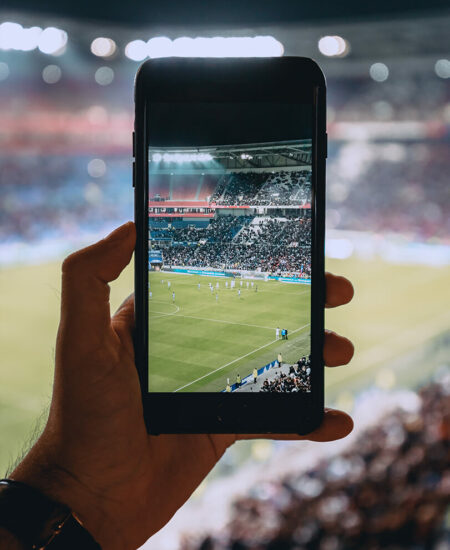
168	284
217	284
239	292
248	284
211	288
198	286
256	288
173	296
228	389
217	297
277	333
226	284
241	283
252	284
238	380
280	359
255	375
150	294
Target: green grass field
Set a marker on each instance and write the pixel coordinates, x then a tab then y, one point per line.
199	340
397	309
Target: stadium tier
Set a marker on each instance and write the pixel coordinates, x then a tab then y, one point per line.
270	244
385	187
387	490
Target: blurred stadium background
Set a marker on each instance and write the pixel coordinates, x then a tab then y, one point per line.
66	115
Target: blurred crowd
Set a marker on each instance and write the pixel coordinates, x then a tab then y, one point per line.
381	176
389	490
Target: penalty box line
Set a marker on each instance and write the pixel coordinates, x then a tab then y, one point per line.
235	360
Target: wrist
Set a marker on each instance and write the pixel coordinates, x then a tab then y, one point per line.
41	470
8	541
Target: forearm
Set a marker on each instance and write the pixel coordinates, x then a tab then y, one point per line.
8	541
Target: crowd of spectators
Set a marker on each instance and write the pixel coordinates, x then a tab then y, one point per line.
266	244
390	187
382	187
389	490
45	197
296	380
281	188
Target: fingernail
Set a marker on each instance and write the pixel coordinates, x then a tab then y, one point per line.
120	233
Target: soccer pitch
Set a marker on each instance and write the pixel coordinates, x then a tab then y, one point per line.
202	337
397	310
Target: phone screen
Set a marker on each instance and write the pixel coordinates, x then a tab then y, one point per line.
230	218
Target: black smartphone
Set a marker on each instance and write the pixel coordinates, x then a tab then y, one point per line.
229	177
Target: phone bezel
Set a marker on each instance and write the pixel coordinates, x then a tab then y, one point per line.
186	80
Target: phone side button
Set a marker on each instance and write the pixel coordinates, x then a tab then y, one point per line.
134	174
326	145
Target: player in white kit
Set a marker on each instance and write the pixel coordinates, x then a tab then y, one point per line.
277	333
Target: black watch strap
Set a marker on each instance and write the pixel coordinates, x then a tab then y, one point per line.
40	522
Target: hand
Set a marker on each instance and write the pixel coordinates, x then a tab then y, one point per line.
95	454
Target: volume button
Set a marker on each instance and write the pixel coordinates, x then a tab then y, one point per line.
134	144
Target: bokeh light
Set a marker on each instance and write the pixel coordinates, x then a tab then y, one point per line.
333	46
4	70
96	168
104	76
52	41
51	74
379	72
103	47
442	68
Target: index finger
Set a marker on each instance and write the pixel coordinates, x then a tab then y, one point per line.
339	290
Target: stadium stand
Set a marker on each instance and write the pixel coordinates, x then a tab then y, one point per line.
389	489
265	243
264	189
297	379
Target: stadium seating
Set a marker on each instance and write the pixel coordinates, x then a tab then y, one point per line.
389	489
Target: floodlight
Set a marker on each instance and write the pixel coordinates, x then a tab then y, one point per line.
10	35
52	41
103	47
136	50
333	46
159	46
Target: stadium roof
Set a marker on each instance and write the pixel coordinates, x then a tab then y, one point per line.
218	12
252	156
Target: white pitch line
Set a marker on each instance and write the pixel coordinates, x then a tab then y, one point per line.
235	360
163	314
